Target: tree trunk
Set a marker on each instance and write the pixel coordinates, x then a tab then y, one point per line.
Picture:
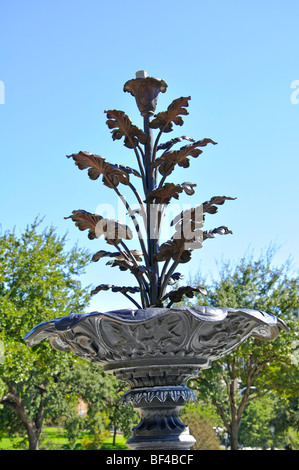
114	435
234	433
14	401
33	436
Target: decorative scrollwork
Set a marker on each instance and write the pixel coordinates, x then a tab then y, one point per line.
143	336
160	393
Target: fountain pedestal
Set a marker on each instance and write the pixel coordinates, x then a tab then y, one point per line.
160	427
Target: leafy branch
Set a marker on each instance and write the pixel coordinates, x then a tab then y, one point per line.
188	225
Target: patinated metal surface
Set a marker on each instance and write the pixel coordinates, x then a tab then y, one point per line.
156	262
145	90
156	336
155	347
156	351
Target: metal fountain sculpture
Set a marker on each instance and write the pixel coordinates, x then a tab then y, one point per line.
155	347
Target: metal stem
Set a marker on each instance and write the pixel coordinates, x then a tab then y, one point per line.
151	227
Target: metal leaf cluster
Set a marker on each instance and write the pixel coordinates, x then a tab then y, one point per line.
154	264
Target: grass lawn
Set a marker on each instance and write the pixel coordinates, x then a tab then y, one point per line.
55	440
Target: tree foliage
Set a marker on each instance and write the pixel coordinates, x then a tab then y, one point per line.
38	281
101	392
202	425
256	367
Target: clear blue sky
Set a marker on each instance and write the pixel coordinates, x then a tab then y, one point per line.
64	62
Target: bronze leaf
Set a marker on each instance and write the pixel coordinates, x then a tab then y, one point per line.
86	221
112	230
100	287
164	194
168	160
210	207
102	253
175	277
167	145
177	295
137	254
121	263
125	264
193	215
164	119
123	289
174	249
122	126
112	174
216	231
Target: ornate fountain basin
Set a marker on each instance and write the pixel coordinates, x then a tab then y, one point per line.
156	336
156	351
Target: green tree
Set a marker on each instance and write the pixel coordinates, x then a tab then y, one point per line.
122	417
202	423
256	367
102	393
267	411
38	282
286	421
256	421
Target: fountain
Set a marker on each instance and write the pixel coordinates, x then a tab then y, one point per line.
156	347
